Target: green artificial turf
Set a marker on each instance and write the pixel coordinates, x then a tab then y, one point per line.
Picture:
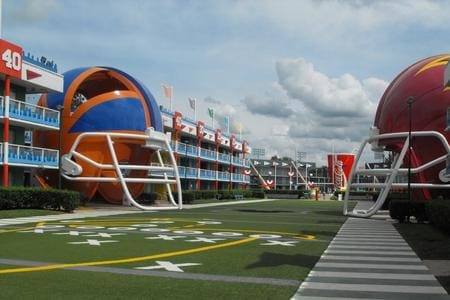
18	213
308	225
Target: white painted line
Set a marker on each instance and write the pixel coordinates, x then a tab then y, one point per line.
371	266
409	289
371	247
368	239
372	258
369	243
427	277
404	253
326	298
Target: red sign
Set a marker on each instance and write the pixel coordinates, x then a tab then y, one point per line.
177	120
11	63
218	136
233	141
339	168
200	131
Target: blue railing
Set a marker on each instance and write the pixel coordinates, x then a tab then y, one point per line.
191	173
207	154
25	155
191	150
237	161
207	174
30	112
225	158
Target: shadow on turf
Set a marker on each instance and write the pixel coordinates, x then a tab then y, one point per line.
268	259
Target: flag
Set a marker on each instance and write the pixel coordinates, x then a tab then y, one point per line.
211	112
239	127
211	115
192	102
226	120
167	90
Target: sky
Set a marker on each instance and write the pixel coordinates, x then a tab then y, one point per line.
297	75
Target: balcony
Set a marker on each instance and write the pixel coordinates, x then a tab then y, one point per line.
26	156
208	154
207	174
238	161
30	115
223	176
223	158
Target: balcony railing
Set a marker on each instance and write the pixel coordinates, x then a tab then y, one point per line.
207	154
225	158
30	156
30	113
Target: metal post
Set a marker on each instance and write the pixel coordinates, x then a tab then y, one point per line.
61	109
409	101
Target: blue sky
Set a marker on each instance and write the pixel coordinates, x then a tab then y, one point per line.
298	75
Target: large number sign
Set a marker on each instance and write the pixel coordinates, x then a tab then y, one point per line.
11	63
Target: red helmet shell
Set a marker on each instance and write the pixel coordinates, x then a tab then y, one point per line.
423	81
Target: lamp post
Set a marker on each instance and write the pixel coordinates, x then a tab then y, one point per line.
409	101
60	108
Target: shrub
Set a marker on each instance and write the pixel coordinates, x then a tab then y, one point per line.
21	197
438	212
399	210
258	194
298	193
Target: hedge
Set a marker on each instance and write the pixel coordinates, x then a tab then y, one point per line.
190	196
438	212
21	197
403	209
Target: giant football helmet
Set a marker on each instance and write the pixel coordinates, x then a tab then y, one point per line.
111	137
412	113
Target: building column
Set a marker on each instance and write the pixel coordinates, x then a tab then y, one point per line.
6	131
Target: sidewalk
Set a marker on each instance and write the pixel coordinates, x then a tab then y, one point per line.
369	259
78	214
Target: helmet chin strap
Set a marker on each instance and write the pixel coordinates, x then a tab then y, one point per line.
154	140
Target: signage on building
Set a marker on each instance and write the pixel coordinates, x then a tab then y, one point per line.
11	63
177	120
200	130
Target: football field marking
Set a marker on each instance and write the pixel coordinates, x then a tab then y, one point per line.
126	260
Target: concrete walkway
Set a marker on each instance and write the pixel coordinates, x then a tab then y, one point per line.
369	259
80	214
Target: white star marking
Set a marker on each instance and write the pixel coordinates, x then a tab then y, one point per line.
40	230
92	242
165	237
72	232
168	266
273	243
103	234
206	240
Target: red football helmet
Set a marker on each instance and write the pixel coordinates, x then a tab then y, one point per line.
416	101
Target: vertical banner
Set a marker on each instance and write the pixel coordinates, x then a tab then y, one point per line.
339	168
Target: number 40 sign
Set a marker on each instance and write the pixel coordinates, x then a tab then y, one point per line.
11	59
